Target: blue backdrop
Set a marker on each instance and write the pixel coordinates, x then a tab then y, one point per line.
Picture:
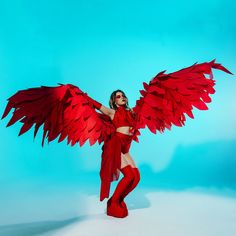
101	46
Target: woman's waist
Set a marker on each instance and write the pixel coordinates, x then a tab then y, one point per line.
127	130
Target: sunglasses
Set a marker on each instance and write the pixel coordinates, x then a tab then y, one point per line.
119	96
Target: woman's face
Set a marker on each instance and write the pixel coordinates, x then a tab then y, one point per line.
120	99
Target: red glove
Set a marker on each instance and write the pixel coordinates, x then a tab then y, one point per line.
93	102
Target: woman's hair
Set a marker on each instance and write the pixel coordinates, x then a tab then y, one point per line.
112	100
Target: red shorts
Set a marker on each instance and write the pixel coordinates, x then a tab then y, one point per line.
111	160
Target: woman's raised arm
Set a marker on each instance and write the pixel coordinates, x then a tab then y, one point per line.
107	111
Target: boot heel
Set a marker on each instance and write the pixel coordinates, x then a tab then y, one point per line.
115	210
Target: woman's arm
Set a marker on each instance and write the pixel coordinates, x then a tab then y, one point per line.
107	111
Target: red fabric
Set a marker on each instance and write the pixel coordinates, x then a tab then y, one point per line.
123	117
111	160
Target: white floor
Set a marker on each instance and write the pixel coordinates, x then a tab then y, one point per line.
169	214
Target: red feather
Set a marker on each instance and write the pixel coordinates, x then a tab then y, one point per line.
167	97
63	111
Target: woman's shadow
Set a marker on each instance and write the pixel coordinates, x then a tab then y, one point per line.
40	227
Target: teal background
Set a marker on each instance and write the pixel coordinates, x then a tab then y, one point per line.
101	46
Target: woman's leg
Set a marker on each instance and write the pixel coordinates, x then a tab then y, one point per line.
116	205
113	204
129	160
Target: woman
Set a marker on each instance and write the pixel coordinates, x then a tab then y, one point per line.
116	156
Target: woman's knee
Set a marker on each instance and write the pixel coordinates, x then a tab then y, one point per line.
129	159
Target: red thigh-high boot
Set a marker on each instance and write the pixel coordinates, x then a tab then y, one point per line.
113	204
130	187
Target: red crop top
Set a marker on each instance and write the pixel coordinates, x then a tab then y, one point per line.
123	117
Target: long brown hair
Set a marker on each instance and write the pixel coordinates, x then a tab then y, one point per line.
112	103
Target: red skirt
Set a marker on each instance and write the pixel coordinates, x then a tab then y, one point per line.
111	160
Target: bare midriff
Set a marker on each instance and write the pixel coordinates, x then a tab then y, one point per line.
124	130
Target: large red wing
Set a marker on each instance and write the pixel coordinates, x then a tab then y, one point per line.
168	96
64	110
